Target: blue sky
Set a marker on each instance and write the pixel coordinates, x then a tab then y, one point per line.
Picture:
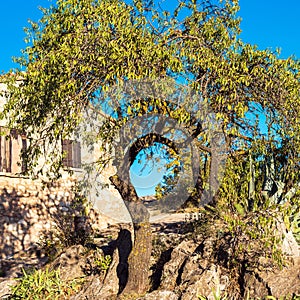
271	24
267	23
14	15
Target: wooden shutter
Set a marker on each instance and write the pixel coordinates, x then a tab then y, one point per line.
6	154
9	154
67	151
24	147
8	141
72	152
76	154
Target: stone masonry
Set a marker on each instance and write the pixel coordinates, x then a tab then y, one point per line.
29	208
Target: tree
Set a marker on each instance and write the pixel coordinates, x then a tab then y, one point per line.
81	49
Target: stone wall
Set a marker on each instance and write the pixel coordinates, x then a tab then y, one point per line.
29	208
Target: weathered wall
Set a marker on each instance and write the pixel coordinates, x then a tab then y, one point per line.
28	208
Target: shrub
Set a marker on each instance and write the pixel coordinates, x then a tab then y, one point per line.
44	284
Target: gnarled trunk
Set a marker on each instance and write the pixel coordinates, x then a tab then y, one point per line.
139	258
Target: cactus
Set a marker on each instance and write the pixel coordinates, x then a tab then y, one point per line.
275	192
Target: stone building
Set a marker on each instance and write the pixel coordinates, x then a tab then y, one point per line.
30	208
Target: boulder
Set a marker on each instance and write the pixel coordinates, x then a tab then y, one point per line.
173	269
278	283
5	287
71	263
197	282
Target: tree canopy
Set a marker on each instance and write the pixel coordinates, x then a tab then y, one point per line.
81	49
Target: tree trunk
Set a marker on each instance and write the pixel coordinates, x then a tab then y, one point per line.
139	258
138	261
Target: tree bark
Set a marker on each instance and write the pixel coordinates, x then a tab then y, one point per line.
139	258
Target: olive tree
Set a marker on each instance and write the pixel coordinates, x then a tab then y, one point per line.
81	49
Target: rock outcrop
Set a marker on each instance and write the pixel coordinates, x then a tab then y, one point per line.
184	269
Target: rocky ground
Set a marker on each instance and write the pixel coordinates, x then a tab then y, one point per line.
181	268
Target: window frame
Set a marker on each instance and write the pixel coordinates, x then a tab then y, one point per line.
71	150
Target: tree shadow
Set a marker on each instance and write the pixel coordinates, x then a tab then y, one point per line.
28	223
16	248
124	245
158	267
13	225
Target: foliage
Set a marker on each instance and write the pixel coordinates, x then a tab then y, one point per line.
96	263
69	229
244	226
44	284
81	48
252	186
103	263
295	226
241	244
243	241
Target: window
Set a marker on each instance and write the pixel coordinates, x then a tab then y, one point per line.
24	147
72	153
5	150
12	144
